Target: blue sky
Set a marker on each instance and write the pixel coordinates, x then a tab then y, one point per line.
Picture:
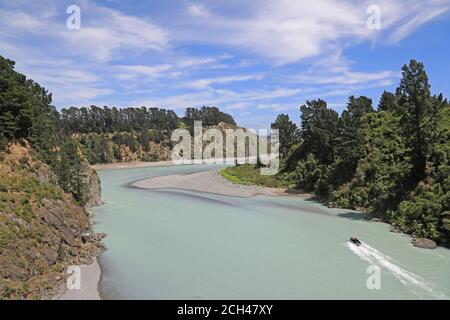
253	59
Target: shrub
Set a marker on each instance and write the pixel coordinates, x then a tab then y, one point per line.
3	187
23	160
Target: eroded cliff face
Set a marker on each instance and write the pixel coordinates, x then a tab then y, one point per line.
95	189
42	229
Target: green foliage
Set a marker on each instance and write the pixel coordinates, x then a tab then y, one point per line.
111	120
250	175
350	146
144	139
319	131
288	133
104	132
3	140
71	171
30	185
26	113
209	116
379	175
415	110
24	211
393	162
26	110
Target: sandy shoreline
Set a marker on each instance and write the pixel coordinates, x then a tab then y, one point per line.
90	280
209	182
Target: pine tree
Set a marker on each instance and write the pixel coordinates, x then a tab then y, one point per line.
71	171
388	102
414	107
319	131
351	140
288	133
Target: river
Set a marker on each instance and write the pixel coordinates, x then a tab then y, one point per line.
173	244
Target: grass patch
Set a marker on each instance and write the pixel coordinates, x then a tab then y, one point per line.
22	183
250	175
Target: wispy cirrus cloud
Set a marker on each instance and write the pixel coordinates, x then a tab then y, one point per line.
289	31
104	33
346	77
127	72
407	28
205	83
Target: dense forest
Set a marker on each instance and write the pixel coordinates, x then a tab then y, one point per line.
26	113
130	134
392	161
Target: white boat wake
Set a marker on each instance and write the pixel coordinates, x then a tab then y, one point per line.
407	278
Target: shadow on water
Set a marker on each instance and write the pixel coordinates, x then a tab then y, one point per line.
187	195
353	215
296	207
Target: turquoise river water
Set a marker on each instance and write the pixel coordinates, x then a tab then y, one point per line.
174	244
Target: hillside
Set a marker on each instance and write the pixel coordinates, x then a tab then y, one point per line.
40	227
110	135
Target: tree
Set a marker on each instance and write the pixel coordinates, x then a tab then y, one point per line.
288	133
414	106
350	147
388	102
71	171
3	140
144	139
319	131
209	116
378	179
9	125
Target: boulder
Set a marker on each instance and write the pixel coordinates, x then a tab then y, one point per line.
98	236
424	243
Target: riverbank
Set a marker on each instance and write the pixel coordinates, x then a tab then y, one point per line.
90	276
210	182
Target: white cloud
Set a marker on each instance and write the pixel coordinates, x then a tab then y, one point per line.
291	30
205	83
78	95
347	77
285	30
410	26
189	62
133	71
104	32
227	99
198	10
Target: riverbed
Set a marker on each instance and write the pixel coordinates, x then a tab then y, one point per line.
180	244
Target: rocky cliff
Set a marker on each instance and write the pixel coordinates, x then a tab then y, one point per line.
42	229
95	190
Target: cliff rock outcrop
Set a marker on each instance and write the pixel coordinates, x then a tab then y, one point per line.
41	228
